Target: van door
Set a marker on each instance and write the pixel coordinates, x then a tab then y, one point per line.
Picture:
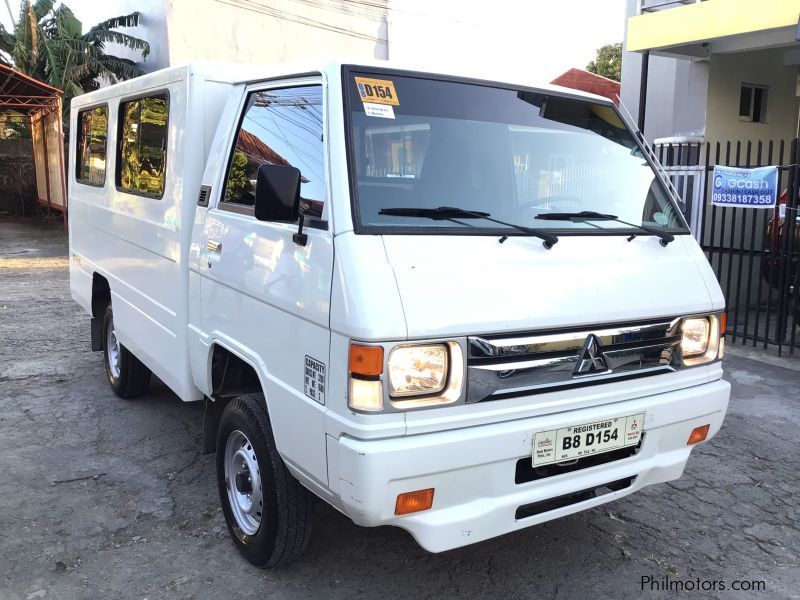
263	295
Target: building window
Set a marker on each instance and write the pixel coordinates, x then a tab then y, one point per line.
90	151
280	127
142	148
753	103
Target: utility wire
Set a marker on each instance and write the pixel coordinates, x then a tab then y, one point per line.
295	18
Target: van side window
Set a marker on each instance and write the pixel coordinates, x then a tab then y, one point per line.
90	149
280	127
142	147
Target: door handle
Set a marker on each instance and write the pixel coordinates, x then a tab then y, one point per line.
214	246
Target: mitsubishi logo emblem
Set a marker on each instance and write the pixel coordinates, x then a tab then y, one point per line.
591	360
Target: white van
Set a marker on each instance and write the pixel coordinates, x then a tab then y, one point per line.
456	306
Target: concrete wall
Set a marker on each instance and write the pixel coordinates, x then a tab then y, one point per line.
676	92
152	25
269	32
765	67
244	30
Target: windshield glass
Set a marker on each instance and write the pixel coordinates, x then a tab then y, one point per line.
516	154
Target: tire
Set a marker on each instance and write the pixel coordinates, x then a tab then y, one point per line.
277	534
127	375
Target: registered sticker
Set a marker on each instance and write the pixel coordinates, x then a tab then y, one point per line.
384	111
314	380
377	91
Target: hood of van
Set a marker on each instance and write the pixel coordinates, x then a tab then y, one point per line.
463	285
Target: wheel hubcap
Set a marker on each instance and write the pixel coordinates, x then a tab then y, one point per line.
243	482
113	351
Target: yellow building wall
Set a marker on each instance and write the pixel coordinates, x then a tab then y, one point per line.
707	21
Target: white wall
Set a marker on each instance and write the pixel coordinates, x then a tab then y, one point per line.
152	25
259	31
268	31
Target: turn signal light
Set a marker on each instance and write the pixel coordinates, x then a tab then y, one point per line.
698	434
366	360
412	502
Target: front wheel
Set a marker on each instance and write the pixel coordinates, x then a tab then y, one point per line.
127	375
268	512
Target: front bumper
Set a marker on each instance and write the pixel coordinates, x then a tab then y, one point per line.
472	469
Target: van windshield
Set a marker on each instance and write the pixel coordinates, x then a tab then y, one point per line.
512	153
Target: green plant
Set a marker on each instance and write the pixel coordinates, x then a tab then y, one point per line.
608	62
48	44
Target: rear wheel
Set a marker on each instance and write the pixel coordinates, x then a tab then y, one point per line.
269	513
127	375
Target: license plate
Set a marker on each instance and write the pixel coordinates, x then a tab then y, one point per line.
577	441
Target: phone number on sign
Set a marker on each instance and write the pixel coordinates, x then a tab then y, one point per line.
750	199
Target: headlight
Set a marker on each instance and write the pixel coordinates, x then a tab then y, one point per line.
417	370
411	376
695	336
702	339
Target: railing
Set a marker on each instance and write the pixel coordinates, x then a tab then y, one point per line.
755	253
646	6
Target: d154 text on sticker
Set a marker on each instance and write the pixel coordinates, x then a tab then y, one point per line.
377	91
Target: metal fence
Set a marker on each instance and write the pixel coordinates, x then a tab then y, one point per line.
755	253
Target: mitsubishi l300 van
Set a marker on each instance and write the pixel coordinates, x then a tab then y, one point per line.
456	306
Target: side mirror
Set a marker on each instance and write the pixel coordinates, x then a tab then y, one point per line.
277	193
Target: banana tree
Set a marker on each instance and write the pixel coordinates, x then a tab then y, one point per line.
48	44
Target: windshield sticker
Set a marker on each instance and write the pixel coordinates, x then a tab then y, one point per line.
377	91
384	111
660	218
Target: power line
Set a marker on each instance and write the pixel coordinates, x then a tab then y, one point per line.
257	7
372	8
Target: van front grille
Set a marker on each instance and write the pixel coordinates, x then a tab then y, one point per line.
524	364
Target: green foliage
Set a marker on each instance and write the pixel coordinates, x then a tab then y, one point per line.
47	43
239	184
144	127
608	62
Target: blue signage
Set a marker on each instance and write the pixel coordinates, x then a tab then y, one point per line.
753	188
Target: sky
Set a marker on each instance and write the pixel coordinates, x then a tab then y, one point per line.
541	38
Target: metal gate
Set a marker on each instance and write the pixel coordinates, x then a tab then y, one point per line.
755	253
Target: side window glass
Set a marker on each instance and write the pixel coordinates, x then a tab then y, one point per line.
280	127
90	151
142	149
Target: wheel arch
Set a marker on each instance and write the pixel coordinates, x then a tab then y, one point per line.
231	373
101	296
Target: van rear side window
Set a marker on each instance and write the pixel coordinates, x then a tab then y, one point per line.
90	159
142	147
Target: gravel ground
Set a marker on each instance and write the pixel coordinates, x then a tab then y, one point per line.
104	498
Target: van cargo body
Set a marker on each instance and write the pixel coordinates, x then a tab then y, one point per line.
456	306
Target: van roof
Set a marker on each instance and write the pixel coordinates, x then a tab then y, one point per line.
232	72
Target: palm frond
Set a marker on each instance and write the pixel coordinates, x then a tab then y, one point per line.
122	68
42	8
54	63
7	40
131	20
100	37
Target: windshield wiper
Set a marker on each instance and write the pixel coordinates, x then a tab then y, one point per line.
590	215
449	213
